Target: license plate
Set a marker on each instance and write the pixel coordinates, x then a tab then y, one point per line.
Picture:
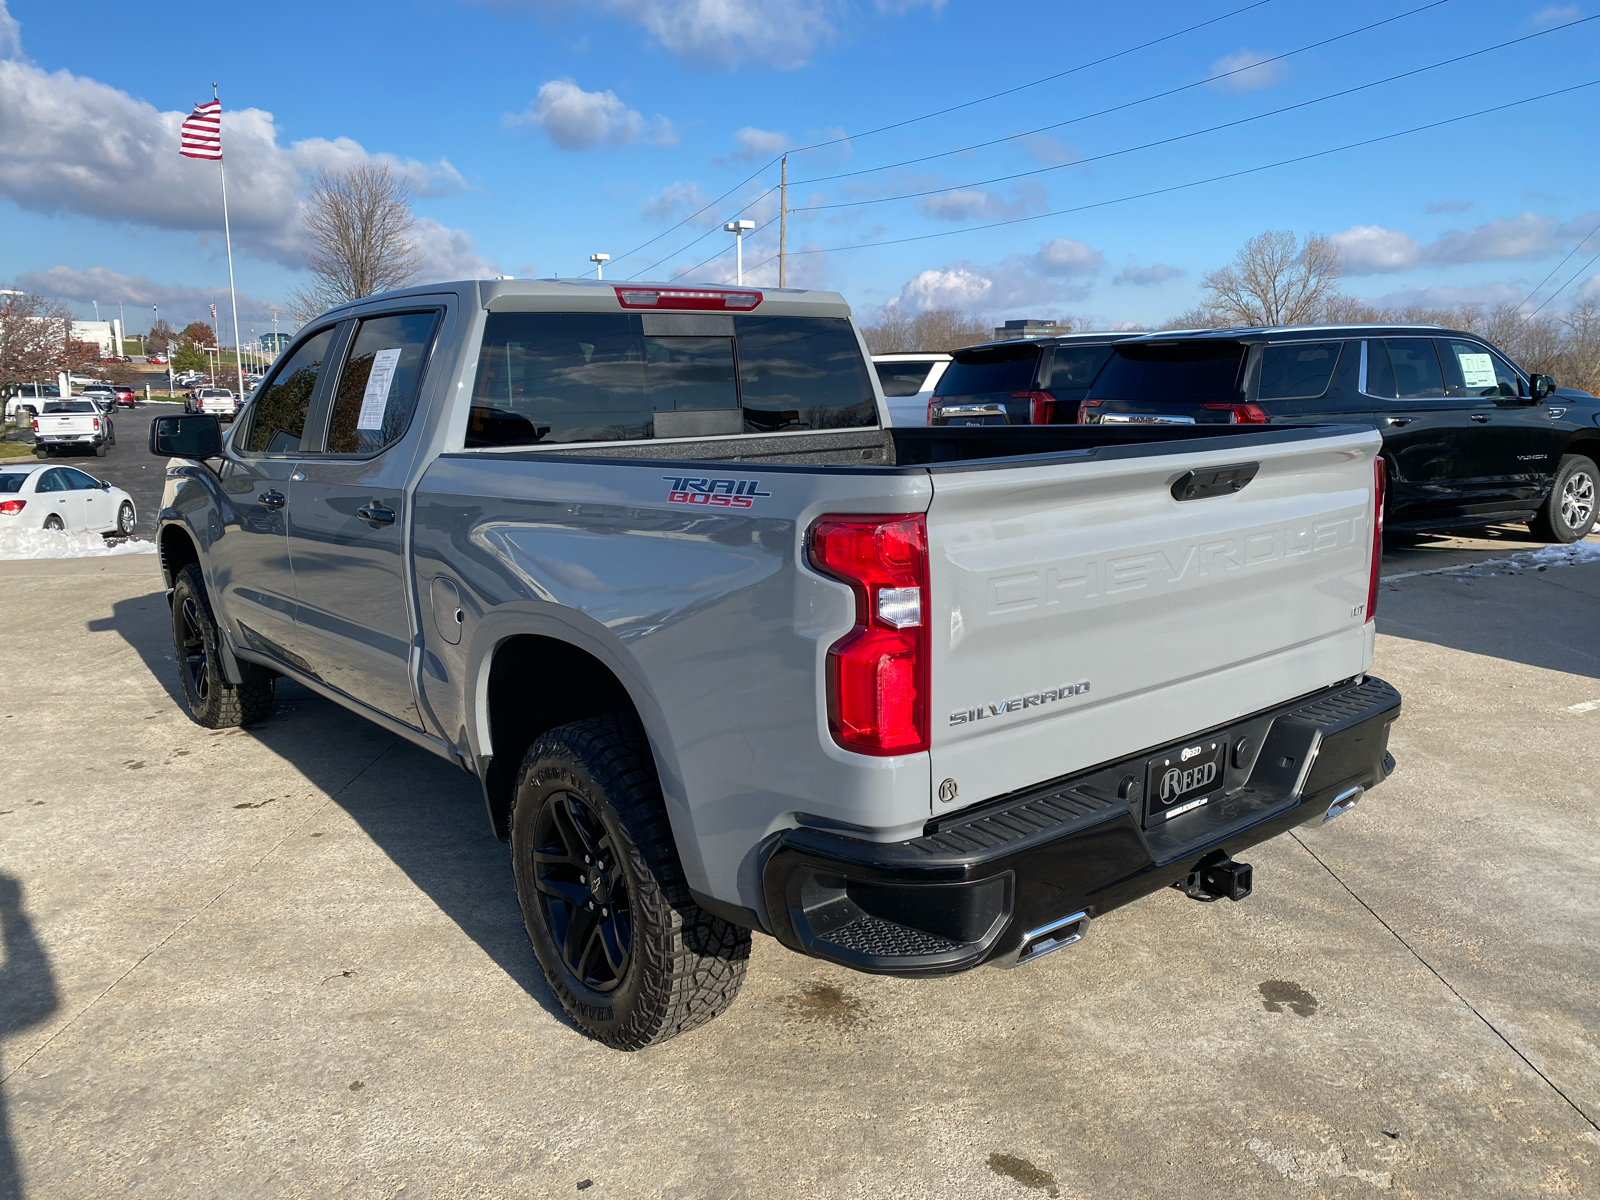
1183	779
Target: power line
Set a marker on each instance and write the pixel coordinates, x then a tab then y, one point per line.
944	111
1011	137
1556	268
748	205
1562	288
1179	137
1179	187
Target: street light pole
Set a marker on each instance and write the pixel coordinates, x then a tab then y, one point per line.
599	261
738	228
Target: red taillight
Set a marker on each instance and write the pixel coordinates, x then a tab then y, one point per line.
1041	405
97	422
878	672
1379	485
1085	417
1241	414
36	424
12	507
697	298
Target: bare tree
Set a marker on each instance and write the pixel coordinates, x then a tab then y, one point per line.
360	224
937	329
1276	281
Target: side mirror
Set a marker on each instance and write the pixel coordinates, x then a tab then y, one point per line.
1541	387
105	485
188	436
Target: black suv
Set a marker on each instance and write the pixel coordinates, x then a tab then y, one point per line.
1035	382
1469	437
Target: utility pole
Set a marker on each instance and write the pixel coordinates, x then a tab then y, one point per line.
783	217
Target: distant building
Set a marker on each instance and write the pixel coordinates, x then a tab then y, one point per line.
96	333
1031	328
275	343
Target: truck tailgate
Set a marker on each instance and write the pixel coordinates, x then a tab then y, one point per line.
1081	612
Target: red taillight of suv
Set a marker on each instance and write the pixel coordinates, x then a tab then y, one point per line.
877	674
1241	414
1041	406
1379	486
11	508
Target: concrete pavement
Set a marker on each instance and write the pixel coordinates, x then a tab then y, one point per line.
288	961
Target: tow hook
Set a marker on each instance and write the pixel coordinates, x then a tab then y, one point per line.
1218	877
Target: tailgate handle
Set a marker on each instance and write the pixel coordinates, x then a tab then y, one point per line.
1215	481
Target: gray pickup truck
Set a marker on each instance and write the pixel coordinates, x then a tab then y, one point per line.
727	654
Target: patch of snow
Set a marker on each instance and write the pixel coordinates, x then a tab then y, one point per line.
55	543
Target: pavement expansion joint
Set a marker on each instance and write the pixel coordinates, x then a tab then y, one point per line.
1434	971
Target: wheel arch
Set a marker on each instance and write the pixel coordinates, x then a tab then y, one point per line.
1587	444
176	548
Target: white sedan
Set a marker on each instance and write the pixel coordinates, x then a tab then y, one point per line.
34	496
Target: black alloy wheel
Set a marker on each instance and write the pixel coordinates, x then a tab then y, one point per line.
213	702
194	660
584	891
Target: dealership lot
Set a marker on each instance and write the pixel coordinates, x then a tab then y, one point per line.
288	961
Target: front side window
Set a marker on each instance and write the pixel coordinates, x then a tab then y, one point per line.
79	481
378	387
1471	369
902	378
553	378
1300	371
1404	369
281	406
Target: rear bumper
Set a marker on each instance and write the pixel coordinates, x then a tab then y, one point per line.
974	887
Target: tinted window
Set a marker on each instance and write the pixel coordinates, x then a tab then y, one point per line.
1075	369
1200	370
78	481
281	407
53	481
12	481
902	378
991	369
580	377
1414	367
1297	372
379	384
69	406
1473	370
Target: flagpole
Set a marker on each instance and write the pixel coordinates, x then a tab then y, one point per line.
227	237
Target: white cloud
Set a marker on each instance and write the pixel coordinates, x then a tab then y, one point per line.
1250	72
580	120
755	145
10	33
1050	151
1555	14
179	303
1372	249
899	8
1451	297
1020	281
975	204
69	144
677	200
1155	273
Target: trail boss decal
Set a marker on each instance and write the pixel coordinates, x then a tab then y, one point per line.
713	493
1017	704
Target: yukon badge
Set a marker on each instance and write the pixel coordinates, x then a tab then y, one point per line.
1018	703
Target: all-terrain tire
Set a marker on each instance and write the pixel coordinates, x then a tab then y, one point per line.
213	701
683	966
1568	513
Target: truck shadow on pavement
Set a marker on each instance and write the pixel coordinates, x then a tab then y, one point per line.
424	814
27	997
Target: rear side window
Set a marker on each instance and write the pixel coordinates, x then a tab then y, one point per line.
551	378
1074	369
1199	370
379	384
1404	369
902	378
1297	372
991	369
281	406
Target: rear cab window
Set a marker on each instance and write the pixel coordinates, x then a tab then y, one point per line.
551	378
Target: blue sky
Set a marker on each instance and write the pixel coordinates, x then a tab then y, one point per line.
536	132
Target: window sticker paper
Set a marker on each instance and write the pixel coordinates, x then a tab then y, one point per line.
376	398
1477	370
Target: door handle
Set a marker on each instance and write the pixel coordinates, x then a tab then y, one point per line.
1480	418
376	514
271	499
1397	422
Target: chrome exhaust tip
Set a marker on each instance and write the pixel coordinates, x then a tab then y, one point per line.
1057	935
1343	803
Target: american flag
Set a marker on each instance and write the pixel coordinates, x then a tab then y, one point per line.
202	132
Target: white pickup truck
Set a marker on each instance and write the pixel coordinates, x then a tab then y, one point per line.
73	424
217	402
726	653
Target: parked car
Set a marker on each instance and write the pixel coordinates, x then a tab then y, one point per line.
1470	438
1037	381
28	399
75	424
35	497
219	402
727	654
908	381
155	360
125	395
